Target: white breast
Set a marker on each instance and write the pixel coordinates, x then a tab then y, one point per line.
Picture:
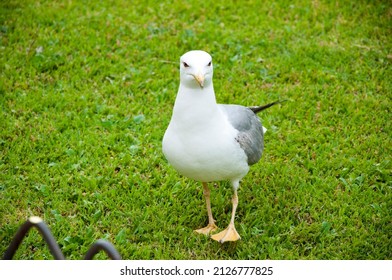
205	152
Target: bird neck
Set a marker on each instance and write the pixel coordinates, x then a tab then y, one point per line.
195	104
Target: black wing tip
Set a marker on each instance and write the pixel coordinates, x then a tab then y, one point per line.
257	109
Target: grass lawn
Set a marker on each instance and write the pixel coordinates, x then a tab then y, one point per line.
86	93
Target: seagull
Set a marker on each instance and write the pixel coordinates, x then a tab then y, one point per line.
208	142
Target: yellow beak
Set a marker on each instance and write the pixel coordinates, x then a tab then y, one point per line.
200	79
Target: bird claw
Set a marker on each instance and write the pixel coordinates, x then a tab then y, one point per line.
206	230
229	234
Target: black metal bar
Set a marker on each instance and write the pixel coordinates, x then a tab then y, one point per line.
52	244
44	231
105	246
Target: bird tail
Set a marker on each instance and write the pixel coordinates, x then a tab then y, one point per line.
258	109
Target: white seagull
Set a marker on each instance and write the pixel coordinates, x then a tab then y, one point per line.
206	141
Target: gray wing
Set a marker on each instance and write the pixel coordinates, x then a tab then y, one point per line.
250	136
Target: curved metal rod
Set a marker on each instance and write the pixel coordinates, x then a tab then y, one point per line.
44	231
105	246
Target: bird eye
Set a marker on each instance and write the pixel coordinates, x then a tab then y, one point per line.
209	63
185	64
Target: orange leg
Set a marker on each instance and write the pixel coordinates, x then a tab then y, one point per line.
211	222
230	233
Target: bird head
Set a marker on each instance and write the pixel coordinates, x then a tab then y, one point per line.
196	69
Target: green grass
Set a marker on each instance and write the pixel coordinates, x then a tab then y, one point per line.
86	93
